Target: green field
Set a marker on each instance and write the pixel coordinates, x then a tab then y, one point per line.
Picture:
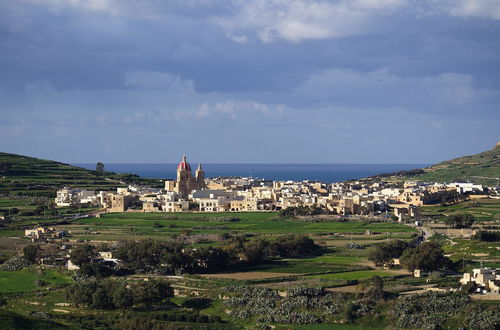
164	225
484	209
355	275
290	266
469	249
24	280
331	259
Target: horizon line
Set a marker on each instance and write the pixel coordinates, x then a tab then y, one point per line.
194	162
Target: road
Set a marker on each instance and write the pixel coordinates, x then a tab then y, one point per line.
427	232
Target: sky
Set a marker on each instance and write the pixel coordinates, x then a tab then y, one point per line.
249	81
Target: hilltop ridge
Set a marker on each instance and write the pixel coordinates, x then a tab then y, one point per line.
481	168
29	176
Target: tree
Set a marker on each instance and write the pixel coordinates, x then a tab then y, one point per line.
123	297
99	167
383	253
100	299
210	258
97	269
82	293
427	256
152	292
82	254
376	291
487	236
30	252
457	221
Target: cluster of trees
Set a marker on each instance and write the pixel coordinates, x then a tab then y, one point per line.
295	211
427	256
112	294
458	221
30	252
384	253
487	236
83	254
259	249
170	257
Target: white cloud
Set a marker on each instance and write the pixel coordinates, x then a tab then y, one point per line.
158	80
108	6
242	39
233	109
478	8
297	20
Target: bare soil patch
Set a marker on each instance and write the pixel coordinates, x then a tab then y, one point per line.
348	288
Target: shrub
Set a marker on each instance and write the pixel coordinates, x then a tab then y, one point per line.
487	236
429	310
483	319
14	264
458	221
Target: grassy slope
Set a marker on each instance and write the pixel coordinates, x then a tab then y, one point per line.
481	209
24	280
38	177
143	224
467	168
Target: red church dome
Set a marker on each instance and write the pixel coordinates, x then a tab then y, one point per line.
184	165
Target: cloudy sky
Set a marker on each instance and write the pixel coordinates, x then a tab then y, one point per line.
272	81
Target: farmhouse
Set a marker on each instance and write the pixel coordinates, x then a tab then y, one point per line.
487	280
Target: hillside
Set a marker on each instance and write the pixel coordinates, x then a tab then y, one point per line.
481	168
22	175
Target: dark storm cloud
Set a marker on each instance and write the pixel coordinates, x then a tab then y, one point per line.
160	73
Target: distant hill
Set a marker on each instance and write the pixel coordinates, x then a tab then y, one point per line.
22	175
481	168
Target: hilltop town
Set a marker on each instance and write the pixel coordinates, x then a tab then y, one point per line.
195	193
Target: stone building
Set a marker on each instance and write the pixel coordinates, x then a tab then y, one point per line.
120	203
185	182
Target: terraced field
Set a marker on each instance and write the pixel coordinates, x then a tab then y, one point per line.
484	209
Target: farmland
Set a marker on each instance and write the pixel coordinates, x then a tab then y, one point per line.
25	279
483	209
163	226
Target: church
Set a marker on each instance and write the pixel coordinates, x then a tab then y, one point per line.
185	182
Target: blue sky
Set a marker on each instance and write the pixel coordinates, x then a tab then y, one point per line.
274	81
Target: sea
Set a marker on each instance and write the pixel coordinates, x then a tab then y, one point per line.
277	172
